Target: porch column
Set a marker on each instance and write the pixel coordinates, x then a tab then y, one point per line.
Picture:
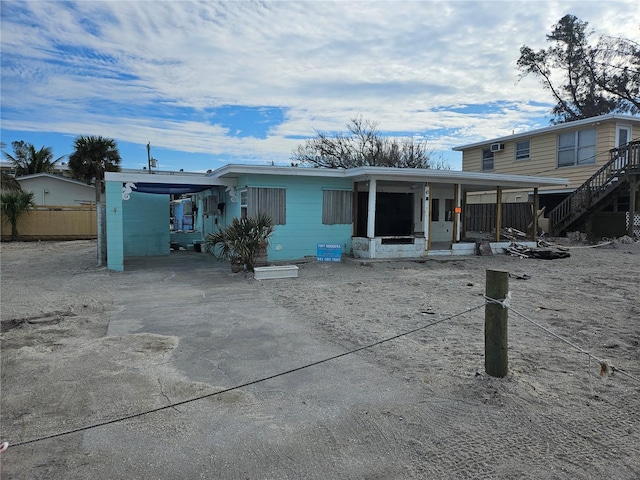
498	213
371	218
457	211
426	209
355	210
427	225
535	214
115	226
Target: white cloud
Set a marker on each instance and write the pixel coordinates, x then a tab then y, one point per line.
124	68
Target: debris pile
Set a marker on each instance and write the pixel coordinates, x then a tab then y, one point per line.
512	234
545	251
625	239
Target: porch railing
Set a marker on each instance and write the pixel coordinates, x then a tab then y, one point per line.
623	160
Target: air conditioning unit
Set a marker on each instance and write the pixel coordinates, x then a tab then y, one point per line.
497	147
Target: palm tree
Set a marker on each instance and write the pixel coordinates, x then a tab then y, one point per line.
14	204
243	241
9	183
92	156
27	160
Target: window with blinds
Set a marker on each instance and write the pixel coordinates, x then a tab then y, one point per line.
337	207
270	201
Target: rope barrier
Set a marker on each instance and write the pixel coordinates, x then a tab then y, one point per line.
237	387
504	303
572	247
604	365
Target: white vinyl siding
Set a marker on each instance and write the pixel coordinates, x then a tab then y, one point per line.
270	201
337	207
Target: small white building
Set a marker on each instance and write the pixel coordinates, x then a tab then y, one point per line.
50	189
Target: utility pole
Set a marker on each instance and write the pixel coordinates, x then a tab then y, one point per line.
152	162
149	156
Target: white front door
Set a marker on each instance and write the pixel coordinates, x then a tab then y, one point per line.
623	137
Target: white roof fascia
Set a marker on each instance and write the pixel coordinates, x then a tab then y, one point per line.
179	179
233	170
552	128
490	180
54	177
395	174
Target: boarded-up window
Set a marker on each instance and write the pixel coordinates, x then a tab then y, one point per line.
337	207
271	201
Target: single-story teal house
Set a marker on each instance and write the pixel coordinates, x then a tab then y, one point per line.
371	212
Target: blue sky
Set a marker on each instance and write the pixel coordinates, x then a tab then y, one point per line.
210	83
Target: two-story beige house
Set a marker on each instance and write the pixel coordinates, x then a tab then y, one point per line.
600	156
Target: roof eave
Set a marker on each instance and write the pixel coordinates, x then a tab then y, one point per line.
551	128
453	176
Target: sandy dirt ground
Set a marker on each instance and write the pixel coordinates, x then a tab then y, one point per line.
552	416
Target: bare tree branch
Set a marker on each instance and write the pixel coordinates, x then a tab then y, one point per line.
363	146
599	79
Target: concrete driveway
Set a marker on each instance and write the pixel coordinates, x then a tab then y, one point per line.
335	420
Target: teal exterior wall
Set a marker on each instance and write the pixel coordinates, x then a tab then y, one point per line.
304	229
145	221
115	233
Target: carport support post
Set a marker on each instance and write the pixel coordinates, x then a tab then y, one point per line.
495	324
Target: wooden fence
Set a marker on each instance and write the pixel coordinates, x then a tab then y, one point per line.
78	222
481	217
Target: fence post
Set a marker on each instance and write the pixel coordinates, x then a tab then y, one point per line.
495	324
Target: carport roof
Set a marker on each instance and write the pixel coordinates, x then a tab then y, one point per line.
166	183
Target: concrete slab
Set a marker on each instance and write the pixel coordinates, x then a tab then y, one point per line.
229	334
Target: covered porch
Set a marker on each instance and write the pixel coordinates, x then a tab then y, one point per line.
411	213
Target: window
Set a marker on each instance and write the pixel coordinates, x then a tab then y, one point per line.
337	207
272	201
210	205
243	204
523	150
448	210
577	148
487	159
435	210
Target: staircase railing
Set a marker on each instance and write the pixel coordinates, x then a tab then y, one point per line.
586	195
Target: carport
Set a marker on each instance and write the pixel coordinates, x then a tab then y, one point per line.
138	211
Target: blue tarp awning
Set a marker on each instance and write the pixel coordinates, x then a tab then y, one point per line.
169	188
